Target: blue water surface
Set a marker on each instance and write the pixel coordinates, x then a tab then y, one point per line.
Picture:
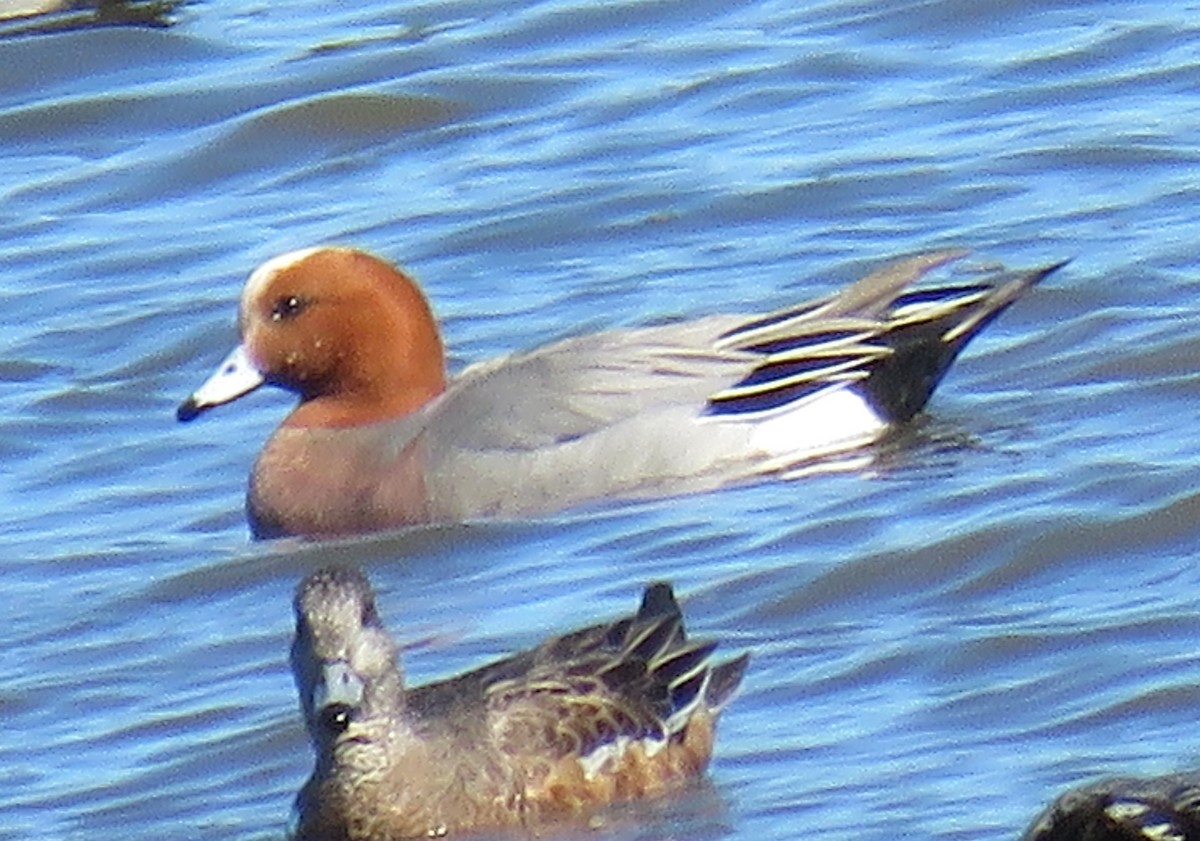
1004	606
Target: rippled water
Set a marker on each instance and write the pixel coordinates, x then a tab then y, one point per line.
1008	605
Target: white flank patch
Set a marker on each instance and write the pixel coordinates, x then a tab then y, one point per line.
596	761
836	420
599	760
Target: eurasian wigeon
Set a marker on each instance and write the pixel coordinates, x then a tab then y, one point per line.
1124	809
601	715
382	438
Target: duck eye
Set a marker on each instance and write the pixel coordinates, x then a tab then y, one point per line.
336	717
288	307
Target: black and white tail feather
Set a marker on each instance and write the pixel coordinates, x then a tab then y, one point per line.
654	641
891	345
641	681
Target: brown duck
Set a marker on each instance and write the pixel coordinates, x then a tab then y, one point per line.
1124	809
604	714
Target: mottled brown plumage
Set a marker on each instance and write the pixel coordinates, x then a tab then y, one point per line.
604	714
1124	809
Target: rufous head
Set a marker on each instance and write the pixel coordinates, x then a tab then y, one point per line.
349	333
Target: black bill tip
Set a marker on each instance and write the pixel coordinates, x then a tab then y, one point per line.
188	410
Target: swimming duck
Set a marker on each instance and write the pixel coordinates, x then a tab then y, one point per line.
1124	809
383	438
604	714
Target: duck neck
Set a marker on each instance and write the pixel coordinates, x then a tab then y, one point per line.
347	409
372	389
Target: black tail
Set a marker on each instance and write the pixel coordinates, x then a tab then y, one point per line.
927	331
658	600
725	679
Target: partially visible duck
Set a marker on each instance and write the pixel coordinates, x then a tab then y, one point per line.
1124	809
604	714
382	438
